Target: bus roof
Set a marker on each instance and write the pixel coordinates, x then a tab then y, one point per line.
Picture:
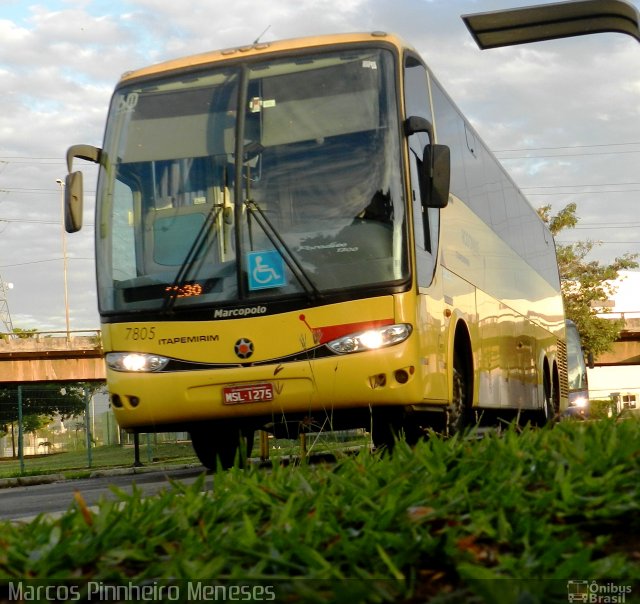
258	48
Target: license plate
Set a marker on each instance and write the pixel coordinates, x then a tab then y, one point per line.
250	393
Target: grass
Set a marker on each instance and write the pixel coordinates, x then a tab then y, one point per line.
505	519
74	463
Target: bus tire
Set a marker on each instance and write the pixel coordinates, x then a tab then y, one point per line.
547	414
385	428
390	424
217	444
456	420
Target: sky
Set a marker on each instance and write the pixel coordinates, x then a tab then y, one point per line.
562	116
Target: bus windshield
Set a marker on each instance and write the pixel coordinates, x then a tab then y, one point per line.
258	181
577	368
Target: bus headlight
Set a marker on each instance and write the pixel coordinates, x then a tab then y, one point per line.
136	362
581	401
371	339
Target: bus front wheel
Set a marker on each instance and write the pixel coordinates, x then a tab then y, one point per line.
458	413
389	424
220	445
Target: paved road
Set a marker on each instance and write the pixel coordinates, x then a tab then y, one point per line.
24	502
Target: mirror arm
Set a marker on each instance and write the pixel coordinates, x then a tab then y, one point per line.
87	152
415	124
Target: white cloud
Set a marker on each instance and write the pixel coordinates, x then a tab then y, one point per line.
60	59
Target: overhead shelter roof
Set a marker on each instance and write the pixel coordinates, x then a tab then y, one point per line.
550	21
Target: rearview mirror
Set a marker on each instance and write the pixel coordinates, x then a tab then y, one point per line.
73	185
73	202
435	169
435	176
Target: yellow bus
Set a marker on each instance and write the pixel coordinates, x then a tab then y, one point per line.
308	234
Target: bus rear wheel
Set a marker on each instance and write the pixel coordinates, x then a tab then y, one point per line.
221	444
547	414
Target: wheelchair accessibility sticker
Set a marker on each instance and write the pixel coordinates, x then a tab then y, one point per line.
266	269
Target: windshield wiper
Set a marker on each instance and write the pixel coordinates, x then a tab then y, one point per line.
290	259
195	252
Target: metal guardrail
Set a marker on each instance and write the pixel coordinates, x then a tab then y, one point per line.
627	315
52	341
38	335
630	323
52	356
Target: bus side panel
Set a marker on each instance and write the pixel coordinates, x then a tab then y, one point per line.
516	316
432	325
460	303
498	327
492	238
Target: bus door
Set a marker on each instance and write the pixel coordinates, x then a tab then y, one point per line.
430	318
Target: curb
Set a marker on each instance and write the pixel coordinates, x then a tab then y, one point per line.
27	481
140	470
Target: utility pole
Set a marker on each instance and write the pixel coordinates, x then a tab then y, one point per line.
5	316
60	183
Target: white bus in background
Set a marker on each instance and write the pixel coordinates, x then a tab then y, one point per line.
576	373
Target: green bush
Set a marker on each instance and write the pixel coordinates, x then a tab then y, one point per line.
601	408
510	517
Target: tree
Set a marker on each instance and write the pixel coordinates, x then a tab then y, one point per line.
25	334
586	284
33	422
47	399
19	333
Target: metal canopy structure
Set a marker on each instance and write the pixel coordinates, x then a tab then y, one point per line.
5	316
551	21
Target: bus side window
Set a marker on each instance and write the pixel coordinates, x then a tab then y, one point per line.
426	220
125	251
420	213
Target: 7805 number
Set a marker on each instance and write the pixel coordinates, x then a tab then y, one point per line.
141	333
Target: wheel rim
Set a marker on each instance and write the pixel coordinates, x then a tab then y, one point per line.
548	410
